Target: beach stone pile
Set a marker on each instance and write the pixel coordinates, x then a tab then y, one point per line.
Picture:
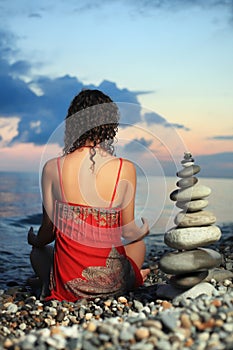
191	262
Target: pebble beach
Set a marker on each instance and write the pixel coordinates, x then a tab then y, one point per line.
140	320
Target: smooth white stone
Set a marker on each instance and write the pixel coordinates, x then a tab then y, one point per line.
199	218
193	206
185	165
167	291
219	275
199	289
190	193
189	261
192	237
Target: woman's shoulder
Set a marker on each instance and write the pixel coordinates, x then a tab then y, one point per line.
127	168
126	163
50	166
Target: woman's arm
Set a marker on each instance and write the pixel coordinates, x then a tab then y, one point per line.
45	234
131	232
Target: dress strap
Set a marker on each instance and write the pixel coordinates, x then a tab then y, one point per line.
60	178
116	184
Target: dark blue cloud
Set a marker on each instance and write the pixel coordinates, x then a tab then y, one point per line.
135	7
177	126
154	118
40	114
127	101
17	98
20	67
145	7
35	15
138	145
222	137
180	4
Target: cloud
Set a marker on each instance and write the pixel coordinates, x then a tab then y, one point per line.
139	7
20	67
7	42
49	108
127	100
8	129
154	118
145	7
182	3
34	15
138	145
41	102
222	137
177	126
156	4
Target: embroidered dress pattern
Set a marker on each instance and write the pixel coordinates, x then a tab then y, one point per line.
117	275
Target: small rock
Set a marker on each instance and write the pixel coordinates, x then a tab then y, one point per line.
88	316
12	308
166	305
138	305
122	300
91	327
142	333
60	316
23	326
185	321
169	320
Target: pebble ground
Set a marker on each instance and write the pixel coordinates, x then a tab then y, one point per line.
137	321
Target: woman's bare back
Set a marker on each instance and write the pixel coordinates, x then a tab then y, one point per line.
93	188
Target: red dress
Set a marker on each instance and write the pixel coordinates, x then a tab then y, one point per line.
89	258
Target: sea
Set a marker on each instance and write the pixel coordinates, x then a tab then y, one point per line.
21	207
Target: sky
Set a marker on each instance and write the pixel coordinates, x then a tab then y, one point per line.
167	63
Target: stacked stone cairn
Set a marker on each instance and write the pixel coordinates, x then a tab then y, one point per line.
190	263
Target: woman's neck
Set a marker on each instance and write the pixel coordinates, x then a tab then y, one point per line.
90	144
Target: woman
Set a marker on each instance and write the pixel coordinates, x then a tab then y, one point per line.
88	209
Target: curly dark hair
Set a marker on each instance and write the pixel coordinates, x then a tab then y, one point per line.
93	117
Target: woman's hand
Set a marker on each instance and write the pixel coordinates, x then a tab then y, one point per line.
144	228
135	233
32	237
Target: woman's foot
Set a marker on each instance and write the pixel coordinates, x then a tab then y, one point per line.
144	273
